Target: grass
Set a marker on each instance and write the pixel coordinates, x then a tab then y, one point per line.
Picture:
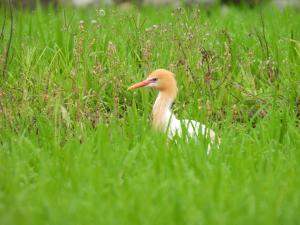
77	148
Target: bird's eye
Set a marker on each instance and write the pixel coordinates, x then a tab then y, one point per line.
154	79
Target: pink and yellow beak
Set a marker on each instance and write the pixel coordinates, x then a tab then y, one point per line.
140	84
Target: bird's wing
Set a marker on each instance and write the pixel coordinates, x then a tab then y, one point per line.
195	128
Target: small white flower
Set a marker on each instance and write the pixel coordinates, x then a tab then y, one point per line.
93	21
81	22
101	12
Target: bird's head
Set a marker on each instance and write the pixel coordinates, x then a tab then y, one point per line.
161	80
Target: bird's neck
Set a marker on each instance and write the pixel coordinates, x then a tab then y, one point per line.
162	109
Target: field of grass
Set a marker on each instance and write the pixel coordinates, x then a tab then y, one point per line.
77	148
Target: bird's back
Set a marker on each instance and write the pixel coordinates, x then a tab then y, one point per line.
189	128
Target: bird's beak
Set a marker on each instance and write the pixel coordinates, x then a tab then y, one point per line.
140	84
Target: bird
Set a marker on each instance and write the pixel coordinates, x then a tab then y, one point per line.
163	119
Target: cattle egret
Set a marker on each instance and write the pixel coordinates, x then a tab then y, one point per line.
162	117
